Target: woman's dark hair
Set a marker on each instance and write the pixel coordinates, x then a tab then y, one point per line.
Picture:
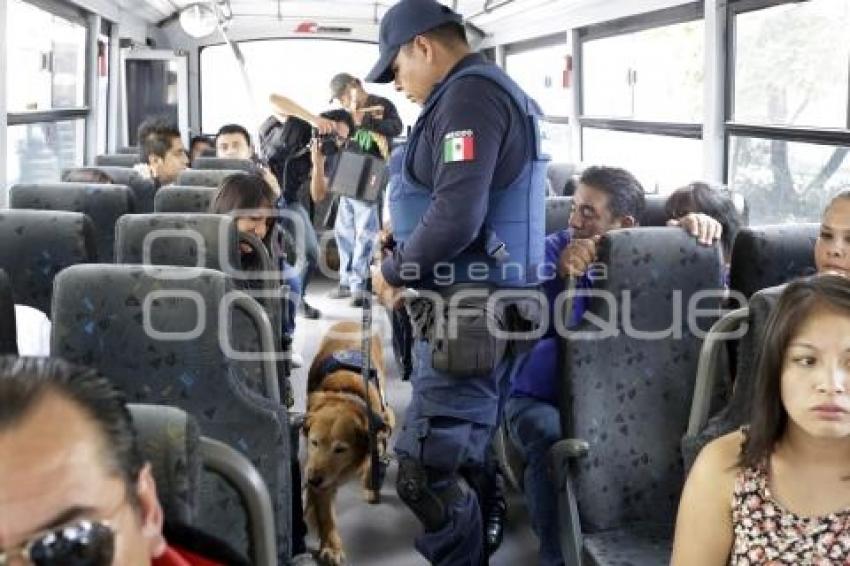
769	417
246	191
701	197
25	382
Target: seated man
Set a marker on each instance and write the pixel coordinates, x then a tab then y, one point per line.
606	198
163	156
73	486
199	146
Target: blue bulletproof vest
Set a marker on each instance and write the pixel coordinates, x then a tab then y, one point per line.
511	241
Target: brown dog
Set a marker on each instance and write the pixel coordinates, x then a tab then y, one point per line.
337	431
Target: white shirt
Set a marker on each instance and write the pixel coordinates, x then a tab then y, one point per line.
33	328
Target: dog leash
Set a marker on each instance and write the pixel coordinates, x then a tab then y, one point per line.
375	479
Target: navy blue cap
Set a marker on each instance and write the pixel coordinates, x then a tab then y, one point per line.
402	23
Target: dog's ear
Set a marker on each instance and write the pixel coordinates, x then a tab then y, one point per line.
305	425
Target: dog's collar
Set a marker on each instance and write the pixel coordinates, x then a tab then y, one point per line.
358	399
350	360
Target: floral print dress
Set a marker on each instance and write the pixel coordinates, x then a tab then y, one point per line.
768	534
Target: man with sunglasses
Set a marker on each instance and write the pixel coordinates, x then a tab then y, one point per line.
607	198
74	489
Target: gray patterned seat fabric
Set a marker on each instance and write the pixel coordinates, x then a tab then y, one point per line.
143	189
654	213
35	245
224	163
178	198
104	204
629	394
107	317
764	256
117	159
8	331
559	174
737	412
558	213
128	150
170	439
640	545
220	250
204	177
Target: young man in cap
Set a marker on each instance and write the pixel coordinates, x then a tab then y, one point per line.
471	203
368	113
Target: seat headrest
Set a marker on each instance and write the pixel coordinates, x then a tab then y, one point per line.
558	213
143	189
206	163
205	177
764	256
179	198
660	259
8	330
104	204
203	240
117	159
37	244
559	174
654	213
170	441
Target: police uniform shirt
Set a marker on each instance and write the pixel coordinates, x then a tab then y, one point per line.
475	108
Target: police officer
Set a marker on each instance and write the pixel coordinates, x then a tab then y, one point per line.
471	195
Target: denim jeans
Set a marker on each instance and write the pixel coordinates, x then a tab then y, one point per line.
534	426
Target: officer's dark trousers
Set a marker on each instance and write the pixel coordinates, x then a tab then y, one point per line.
449	425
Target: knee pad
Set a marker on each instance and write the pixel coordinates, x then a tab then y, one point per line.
430	505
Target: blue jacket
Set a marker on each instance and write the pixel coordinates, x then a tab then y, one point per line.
537	376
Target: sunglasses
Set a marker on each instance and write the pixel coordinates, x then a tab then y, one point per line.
86	543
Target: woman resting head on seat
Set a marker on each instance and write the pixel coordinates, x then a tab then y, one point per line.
701	197
832	249
251	197
781	487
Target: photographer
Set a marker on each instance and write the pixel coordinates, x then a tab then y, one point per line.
356	223
368	111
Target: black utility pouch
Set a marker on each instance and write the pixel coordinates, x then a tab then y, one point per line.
462	339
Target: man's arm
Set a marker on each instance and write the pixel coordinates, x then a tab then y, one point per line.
389	124
318	183
461	188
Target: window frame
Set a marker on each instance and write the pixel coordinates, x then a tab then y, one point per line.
690	12
552	40
75	16
731	128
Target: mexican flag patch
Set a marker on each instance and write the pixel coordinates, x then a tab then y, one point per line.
459	146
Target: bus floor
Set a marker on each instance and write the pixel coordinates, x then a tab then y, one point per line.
382	534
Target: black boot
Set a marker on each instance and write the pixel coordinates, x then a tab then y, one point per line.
493	511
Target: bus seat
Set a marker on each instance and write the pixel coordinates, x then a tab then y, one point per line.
35	245
559	174
8	330
182	460
627	398
128	149
558	213
210	241
654	213
206	163
701	429
169	439
117	159
765	256
143	189
204	177
179	198
155	332
104	204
